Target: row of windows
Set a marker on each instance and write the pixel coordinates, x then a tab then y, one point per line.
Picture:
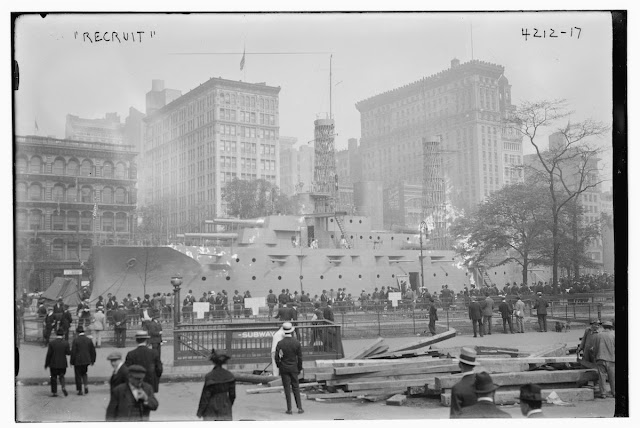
73	167
35	192
72	220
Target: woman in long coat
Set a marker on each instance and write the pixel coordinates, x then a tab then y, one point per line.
218	393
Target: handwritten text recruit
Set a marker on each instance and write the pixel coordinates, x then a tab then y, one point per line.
113	36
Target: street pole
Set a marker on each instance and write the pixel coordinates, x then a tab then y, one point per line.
423	226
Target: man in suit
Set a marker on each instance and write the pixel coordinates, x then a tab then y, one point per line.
83	353
289	361
462	393
541	307
487	313
272	300
475	315
519	312
133	401
56	362
154	328
531	401
506	310
58	309
120	373
433	316
119	317
147	358
604	353
485	390
66	321
50	324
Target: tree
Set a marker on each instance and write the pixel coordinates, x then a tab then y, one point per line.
152	227
251	199
511	226
568	168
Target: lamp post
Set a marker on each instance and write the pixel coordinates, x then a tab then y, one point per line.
176	281
423	229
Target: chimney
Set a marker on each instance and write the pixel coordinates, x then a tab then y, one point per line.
157	85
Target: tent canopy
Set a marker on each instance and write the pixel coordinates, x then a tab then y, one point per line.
67	288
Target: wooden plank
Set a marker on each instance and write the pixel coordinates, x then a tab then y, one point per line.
417	381
380	349
532	360
429	341
410	370
397	400
505	366
521	378
347	363
553	351
569	395
267	390
365	350
372	378
393	365
406	354
354	394
481	348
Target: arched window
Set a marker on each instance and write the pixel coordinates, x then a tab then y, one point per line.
86	221
107	170
107	195
72	167
107	222
120	170
121	222
73	220
21	165
120	196
86	194
72	194
35	192
58	166
57	220
21	191
57	249
57	193
35	165
35	220
85	249
72	251
86	168
22	220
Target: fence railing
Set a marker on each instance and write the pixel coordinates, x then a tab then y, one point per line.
249	343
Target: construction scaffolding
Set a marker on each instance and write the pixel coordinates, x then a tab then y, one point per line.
325	180
434	193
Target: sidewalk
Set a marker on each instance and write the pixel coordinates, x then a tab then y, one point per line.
32	355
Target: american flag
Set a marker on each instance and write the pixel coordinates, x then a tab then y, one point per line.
95	209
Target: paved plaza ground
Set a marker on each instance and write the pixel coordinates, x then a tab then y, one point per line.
181	388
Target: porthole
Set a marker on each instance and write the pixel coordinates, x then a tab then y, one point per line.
253	259
253	278
321	276
446	274
378	276
360	236
434	274
393	275
279	277
204	278
228	278
339	276
360	221
370	237
301	276
351	236
237	260
331	220
407	238
350	221
331	236
392	238
359	276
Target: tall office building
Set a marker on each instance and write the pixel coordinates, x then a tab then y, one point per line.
348	165
196	143
465	106
104	130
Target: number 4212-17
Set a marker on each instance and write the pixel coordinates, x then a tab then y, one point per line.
551	33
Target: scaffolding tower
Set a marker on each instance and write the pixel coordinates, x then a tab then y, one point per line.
325	179
434	208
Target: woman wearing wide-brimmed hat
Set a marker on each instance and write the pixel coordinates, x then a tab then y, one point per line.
219	391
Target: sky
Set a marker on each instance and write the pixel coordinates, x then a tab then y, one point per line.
62	72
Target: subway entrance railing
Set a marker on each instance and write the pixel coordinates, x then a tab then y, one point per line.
251	342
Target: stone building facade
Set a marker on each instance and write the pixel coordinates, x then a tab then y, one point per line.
70	195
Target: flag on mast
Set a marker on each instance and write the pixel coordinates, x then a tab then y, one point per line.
242	60
35	123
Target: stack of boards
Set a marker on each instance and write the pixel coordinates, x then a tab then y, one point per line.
376	373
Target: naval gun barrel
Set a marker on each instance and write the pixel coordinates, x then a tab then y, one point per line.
255	222
212	235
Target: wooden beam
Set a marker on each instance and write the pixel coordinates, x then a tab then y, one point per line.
521	378
354	394
511	397
429	341
361	353
417	381
393	365
364	362
532	360
279	388
557	350
406	354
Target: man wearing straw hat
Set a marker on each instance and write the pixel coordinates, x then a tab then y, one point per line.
289	361
462	393
485	390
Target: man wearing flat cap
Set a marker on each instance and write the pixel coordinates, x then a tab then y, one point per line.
485	390
120	326
604	352
147	358
56	362
531	401
132	401
462	393
83	353
120	373
585	351
154	328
